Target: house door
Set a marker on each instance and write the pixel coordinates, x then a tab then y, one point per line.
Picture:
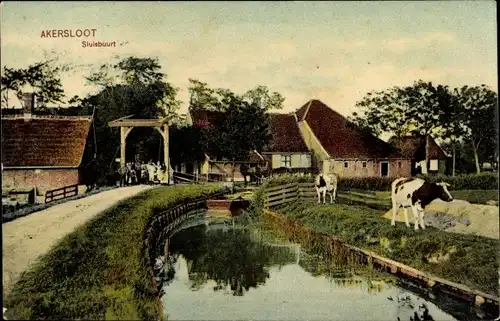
384	169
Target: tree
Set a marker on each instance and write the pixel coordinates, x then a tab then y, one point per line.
43	77
399	110
132	86
185	145
479	118
204	97
201	96
242	127
261	96
453	129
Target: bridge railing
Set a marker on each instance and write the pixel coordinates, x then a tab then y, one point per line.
61	193
209	177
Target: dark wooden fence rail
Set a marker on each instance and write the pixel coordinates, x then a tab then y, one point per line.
61	193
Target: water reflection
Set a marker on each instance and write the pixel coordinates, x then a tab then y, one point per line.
228	274
228	257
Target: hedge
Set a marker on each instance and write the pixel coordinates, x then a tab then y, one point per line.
483	181
97	272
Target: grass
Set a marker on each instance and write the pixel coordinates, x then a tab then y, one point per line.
467	259
97	272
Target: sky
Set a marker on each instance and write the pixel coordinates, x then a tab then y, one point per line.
333	51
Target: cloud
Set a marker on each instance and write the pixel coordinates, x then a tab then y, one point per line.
337	71
401	44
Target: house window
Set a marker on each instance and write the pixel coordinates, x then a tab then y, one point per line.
364	164
433	166
399	164
346	164
305	161
286	161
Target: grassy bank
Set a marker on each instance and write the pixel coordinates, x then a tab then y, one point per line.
96	272
467	259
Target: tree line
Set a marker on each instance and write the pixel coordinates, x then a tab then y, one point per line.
464	118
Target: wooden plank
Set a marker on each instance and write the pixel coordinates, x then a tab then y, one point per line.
281	197
284	195
283	191
276	188
306	185
290	198
289	192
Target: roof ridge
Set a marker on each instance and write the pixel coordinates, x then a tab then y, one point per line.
307	109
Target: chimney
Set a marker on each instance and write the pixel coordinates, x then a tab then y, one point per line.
28	105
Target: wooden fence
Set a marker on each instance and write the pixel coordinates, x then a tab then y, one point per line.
280	195
61	193
210	177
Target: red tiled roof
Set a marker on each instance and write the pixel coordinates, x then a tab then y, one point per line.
286	135
341	138
44	141
414	147
302	111
203	118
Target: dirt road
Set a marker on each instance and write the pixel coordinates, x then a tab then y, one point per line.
26	238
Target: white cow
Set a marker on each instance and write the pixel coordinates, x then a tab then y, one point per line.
417	194
326	184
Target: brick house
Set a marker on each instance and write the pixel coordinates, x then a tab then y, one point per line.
287	148
343	148
46	152
413	146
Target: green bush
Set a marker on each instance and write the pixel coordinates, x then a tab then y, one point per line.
97	272
486	180
483	181
366	183
460	182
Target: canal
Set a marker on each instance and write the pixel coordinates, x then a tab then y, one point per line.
226	272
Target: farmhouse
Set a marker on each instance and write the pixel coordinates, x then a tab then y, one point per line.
343	148
287	148
413	146
43	152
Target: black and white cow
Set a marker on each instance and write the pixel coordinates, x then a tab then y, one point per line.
326	184
417	194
